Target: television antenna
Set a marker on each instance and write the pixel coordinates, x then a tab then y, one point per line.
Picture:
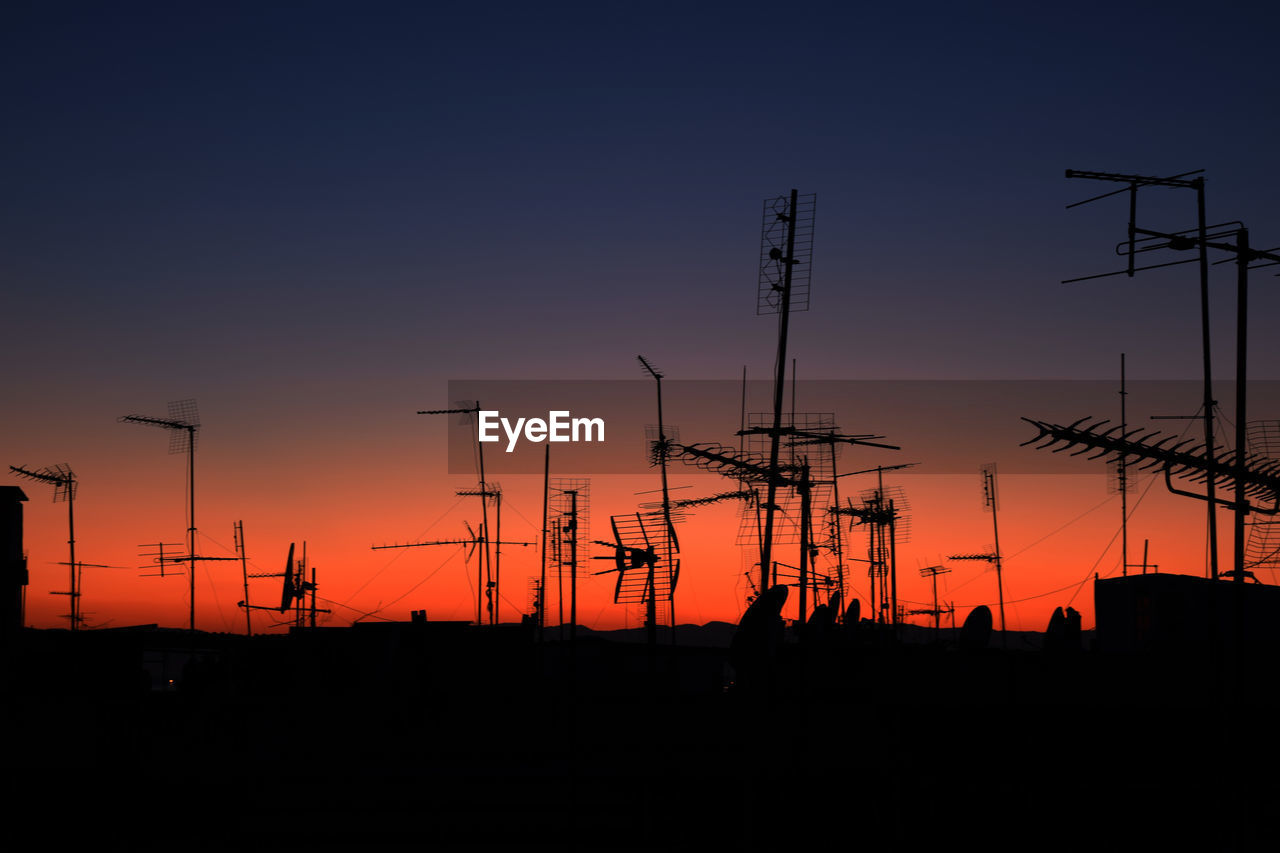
63	480
883	510
1184	180
804	431
474	539
182	423
786	263
671	543
469	410
932	573
991	501
571	520
160	559
639	548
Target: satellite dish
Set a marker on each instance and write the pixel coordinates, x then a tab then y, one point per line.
287	594
1055	636
852	614
759	636
976	633
821	621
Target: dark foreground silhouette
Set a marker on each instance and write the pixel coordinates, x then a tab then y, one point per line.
452	736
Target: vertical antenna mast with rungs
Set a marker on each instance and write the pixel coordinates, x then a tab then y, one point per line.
786	255
670	542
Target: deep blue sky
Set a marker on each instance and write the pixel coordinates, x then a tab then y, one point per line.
421	191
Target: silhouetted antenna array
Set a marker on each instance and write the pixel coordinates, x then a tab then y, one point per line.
786	252
884	512
469	412
1184	458
182	424
160	558
570	506
991	502
1262	549
486	586
747	495
641	548
63	480
798	433
490	491
670	542
786	256
932	573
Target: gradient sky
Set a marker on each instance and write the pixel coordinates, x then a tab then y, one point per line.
310	217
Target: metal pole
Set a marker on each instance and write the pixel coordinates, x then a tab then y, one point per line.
804	545
1124	475
1208	379
244	571
995	525
71	544
542	590
766	548
893	562
1242	328
191	531
573	567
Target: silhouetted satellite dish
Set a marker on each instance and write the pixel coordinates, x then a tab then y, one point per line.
286	596
762	618
759	635
1055	636
821	621
976	633
855	610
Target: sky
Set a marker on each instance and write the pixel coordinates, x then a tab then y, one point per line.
310	218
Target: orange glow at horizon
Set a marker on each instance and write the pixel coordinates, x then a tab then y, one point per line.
1056	533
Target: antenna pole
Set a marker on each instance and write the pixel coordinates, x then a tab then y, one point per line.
244	570
893	561
573	567
804	545
989	476
1209	452
835	529
560	576
496	598
542	589
191	529
1122	470
71	545
766	546
1243	256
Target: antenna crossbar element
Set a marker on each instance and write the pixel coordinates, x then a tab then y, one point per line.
1259	475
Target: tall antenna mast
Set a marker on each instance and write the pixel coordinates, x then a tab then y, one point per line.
932	572
183	421
670	542
1196	183
63	480
469	408
990	500
238	536
786	242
